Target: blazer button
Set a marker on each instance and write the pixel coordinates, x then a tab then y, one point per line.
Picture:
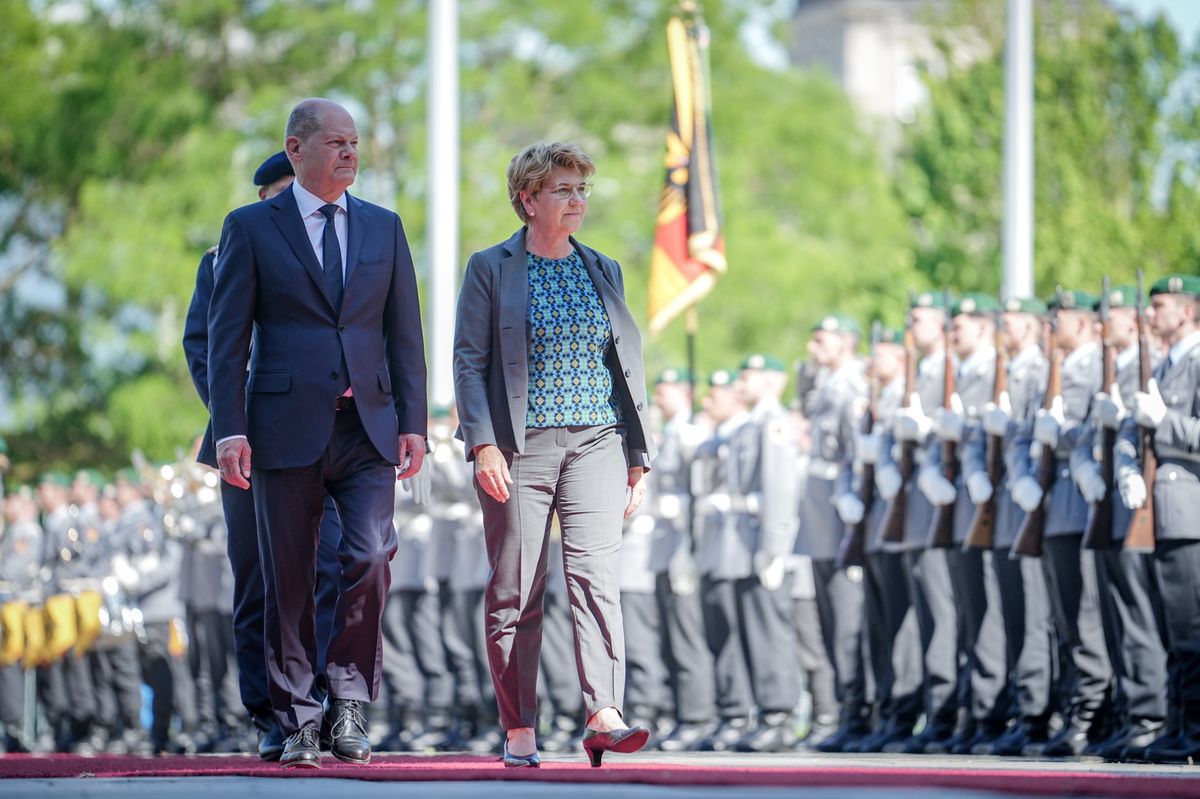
617	340
341	328
333	375
639	406
628	373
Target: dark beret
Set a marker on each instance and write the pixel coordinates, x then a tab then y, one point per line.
274	168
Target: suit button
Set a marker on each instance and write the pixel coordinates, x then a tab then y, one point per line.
341	328
627	373
617	340
639	406
333	375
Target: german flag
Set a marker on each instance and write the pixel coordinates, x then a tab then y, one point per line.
689	251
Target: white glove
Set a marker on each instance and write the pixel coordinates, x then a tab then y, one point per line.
1090	483
936	488
669	506
1027	493
642	524
458	511
996	416
1132	488
911	423
1048	423
948	424
849	508
683	575
979	488
770	569
127	576
868	447
1108	408
1148	406
718	502
420	485
887	482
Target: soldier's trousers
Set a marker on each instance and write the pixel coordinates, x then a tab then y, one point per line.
1133	624
1025	609
12	697
893	639
66	693
117	678
558	677
839	597
980	630
814	659
938	622
765	618
722	629
462	615
417	674
169	681
1075	599
688	660
1177	565
209	650
647	691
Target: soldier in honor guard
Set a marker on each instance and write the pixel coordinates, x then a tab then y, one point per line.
1168	408
20	562
957	425
911	436
673	563
1086	675
721	561
830	504
891	635
147	567
65	684
762	488
1129	598
558	680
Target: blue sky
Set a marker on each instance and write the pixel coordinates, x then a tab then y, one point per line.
1184	14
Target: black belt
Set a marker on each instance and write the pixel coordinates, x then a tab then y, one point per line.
343	402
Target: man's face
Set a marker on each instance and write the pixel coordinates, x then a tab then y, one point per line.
326	163
83	492
1122	327
888	362
969	333
927	326
1074	328
1019	330
1171	316
722	403
828	347
51	496
671	398
269	191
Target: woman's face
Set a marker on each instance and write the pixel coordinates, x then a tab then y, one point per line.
555	215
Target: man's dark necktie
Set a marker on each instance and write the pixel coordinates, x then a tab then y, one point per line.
331	251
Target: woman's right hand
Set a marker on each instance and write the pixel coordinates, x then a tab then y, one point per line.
491	471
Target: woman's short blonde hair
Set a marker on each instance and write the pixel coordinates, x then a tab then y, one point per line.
529	169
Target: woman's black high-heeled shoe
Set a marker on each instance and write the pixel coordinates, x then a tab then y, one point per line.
520	761
626	741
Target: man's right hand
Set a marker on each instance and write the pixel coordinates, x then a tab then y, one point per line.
233	458
491	472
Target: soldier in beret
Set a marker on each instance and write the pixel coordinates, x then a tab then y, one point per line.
1170	407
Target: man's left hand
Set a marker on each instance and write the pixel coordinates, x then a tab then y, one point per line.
637	489
412	454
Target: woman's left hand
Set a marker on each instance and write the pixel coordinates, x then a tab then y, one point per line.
637	489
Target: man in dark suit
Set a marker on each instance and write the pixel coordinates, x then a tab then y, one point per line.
334	400
273	176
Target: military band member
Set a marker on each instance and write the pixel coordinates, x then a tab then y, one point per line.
20	561
1071	570
1170	407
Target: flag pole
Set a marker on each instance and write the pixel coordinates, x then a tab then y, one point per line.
692	323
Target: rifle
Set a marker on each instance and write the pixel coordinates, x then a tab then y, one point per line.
982	532
897	510
1098	534
1140	536
941	531
1029	538
852	551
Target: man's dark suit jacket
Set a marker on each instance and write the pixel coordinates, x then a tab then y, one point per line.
491	350
269	283
195	347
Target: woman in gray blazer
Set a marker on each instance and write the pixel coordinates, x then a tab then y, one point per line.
551	396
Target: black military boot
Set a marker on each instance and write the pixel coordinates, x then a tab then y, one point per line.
776	732
987	730
1183	748
435	734
685	735
725	736
890	732
855	725
821	729
937	730
1138	734
560	734
1070	741
1012	741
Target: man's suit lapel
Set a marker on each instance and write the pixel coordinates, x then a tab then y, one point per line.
287	219
356	226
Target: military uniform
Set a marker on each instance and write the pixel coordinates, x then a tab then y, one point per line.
20	561
1176	496
832	409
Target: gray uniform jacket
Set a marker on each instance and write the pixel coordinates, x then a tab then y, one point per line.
157	558
667	495
973	383
20	558
1082	372
723	551
764	456
919	518
1177	445
1027	374
491	350
890	397
833	409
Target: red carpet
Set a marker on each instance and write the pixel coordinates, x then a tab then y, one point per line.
469	768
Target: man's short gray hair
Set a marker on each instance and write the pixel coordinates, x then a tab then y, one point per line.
529	169
305	119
